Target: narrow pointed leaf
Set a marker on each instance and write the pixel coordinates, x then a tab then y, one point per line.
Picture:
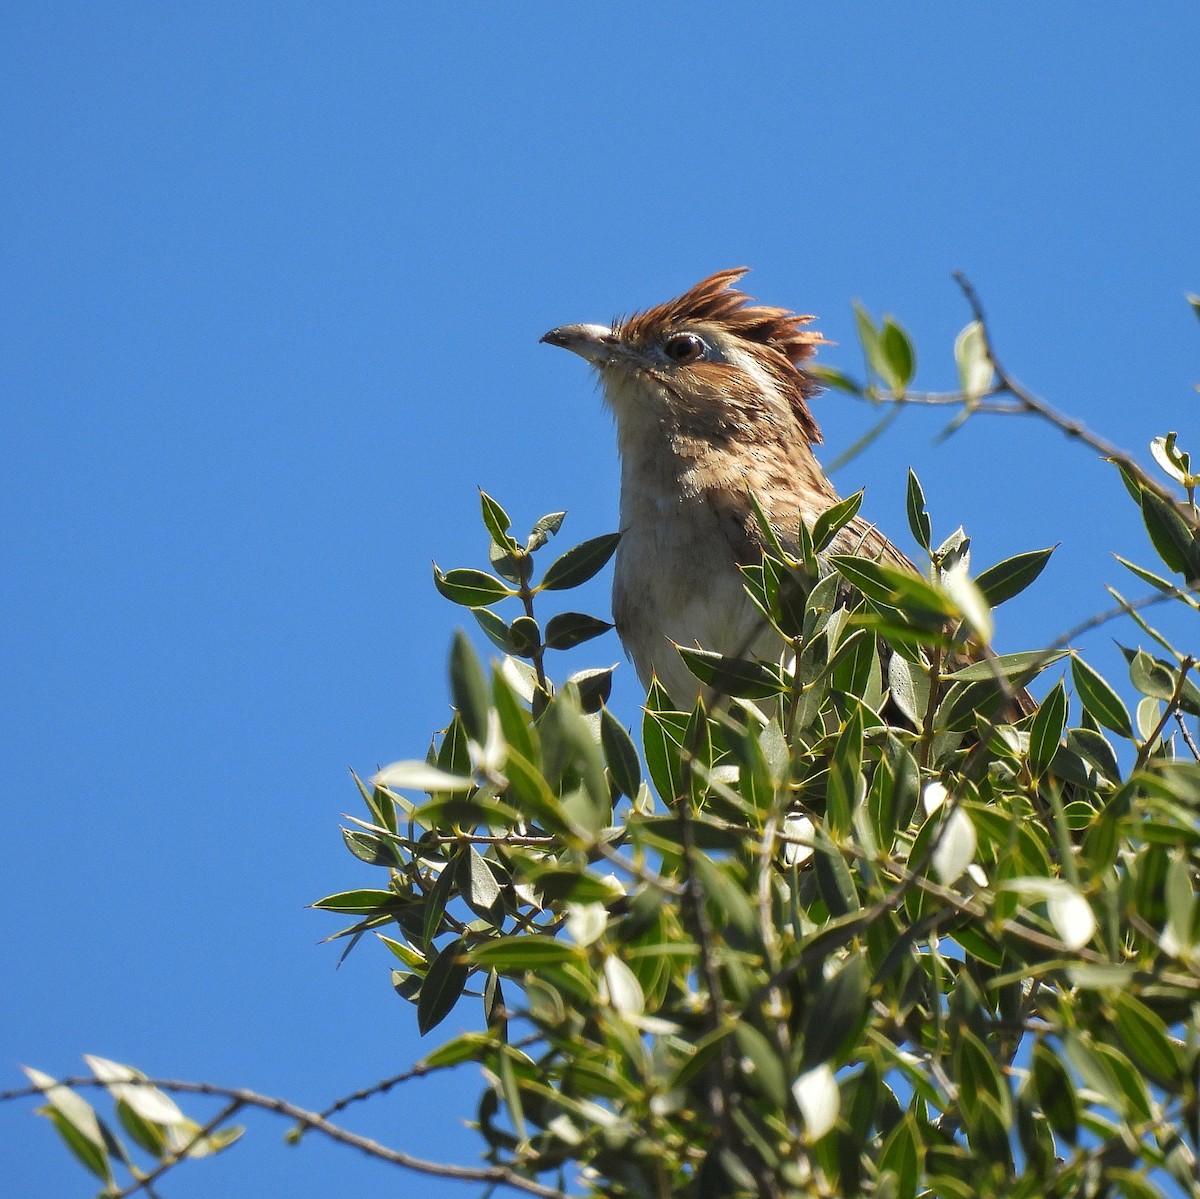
443	986
579	564
1099	699
1010	577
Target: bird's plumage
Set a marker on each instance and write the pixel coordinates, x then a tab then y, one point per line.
710	396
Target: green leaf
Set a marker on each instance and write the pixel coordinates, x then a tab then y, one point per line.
1150	675
1099	699
830	376
76	1122
1055	1092
471	588
845	775
1046	730
918	517
574	762
900	1159
468	688
620	754
525	637
579	564
1147	576
1024	666
1010	577
442	986
836	1014
1170	535
733	676
975	371
870	338
901	358
477	885
1194	301
364	901
495	628
891	586
496	522
768	1073
594	687
834	880
1146	1038
569	629
439	896
835	518
527	952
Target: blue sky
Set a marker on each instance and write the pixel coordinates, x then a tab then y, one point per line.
273	282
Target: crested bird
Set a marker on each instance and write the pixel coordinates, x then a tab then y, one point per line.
711	401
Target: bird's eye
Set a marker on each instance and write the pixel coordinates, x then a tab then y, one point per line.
684	347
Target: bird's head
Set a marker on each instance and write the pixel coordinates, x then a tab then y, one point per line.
710	362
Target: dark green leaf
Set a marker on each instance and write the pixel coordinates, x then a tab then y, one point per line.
1146	1038
435	906
1096	751
578	565
835	518
1170	535
1056	1092
569	629
471	588
527	952
442	986
768	1073
1147	576
836	1014
834	880
515	718
733	676
620	754
594	687
495	628
375	851
845	775
1099	699
901	1159
1010	577
468	688
893	587
525	636
453	756
918	518
364	900
1045	733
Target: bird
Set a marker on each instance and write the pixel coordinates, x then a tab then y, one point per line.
710	396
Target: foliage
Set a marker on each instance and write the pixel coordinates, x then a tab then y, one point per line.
855	923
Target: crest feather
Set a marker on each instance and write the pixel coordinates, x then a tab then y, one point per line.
715	299
776	336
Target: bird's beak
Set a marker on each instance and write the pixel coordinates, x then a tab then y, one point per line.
597	343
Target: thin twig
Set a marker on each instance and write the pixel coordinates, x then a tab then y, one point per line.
147	1181
493	1175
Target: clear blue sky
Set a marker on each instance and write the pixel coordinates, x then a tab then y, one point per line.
273	278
